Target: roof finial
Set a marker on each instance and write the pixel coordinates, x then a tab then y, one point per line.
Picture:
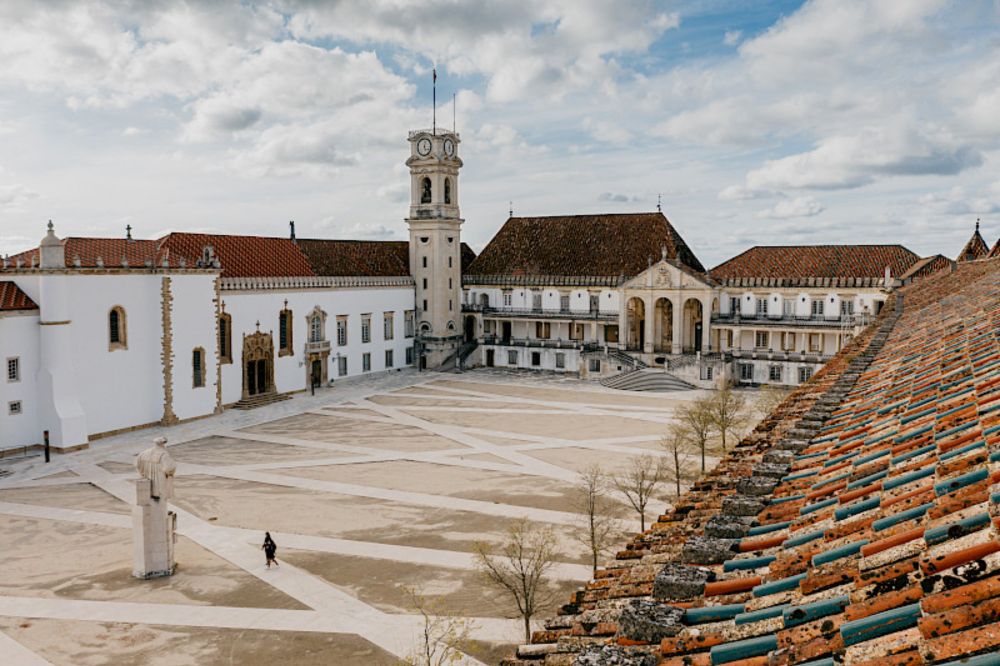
434	100
510	213
52	227
258	325
977	225
659	201
291	230
128	232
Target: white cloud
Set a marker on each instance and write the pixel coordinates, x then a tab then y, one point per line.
790	208
739	193
13	197
732	37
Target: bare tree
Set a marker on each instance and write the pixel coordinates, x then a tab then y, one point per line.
599	512
729	412
768	398
677	444
518	567
444	637
696	418
639	482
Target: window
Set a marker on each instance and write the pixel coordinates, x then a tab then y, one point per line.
805	374
225	338
451	285
814	342
198	367
508	299
425	262
425	191
709	372
774	373
746	372
342	366
366	362
449	305
387	321
564	302
595	365
425	283
788	307
366	328
425	305
846	307
285	331
761	306
388	358
817	307
117	329
449	262
14	408
788	341
536	359
734	305
729	339
341	330
576	331
511	357
13	369
560	360
543	330
595	302
409	356
760	339
316	325
536	301
447	190
611	333
408	323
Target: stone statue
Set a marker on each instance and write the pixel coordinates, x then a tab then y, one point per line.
154	526
156	465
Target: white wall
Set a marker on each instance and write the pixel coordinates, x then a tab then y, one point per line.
193	326
290	373
19	338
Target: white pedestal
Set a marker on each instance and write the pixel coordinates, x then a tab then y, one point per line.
154	531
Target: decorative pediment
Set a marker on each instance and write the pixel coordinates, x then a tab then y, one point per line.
665	275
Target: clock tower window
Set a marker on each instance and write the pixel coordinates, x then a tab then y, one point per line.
447	190
425	191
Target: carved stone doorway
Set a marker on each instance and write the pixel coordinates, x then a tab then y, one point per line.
258	364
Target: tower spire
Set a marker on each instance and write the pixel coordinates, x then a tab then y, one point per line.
434	98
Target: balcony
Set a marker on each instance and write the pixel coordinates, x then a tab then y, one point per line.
776	355
318	347
541	313
539	343
814	321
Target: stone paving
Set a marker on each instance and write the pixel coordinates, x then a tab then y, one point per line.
366	487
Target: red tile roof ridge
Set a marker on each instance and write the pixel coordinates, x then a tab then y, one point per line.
13	299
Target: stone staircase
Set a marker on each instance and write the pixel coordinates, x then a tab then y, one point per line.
261	399
642	379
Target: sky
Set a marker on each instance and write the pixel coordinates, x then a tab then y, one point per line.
753	121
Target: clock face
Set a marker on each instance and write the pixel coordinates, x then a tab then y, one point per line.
424	146
449	147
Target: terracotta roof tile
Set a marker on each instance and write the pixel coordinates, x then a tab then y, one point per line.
606	246
796	264
897	561
241	256
13	299
111	251
975	248
364	258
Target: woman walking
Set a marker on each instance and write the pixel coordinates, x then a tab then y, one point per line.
270	548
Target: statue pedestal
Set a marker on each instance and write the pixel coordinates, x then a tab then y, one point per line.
154	530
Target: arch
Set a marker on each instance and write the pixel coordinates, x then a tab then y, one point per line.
484	300
425	327
117	328
225	338
316	322
663	325
692	325
470	328
636	324
425	190
447	190
451	326
258	364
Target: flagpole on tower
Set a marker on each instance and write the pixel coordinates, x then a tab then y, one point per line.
434	98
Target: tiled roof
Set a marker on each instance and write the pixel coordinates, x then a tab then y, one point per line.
364	258
13	299
976	248
814	265
582	245
858	524
111	251
241	256
926	266
995	252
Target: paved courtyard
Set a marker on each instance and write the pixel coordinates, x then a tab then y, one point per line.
369	488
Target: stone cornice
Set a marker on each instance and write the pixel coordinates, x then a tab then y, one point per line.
544	280
109	270
315	282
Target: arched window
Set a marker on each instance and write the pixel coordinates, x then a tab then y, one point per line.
447	190
198	367
425	191
225	338
317	325
117	329
285	332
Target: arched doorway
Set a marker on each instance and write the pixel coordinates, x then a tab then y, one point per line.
692	325
258	364
470	328
636	324
663	325
316	373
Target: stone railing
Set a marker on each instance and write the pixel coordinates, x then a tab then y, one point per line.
315	282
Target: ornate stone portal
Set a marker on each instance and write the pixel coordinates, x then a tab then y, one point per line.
258	364
154	526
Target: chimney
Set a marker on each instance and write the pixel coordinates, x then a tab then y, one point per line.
291	230
53	252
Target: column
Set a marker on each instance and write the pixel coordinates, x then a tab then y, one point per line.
648	326
677	340
623	322
706	320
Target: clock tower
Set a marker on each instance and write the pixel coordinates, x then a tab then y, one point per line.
435	244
